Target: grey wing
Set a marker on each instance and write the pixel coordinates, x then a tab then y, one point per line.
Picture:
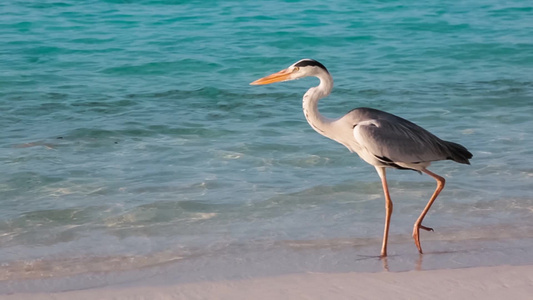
400	142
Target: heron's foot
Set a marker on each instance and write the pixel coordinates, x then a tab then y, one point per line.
426	228
383	252
416	235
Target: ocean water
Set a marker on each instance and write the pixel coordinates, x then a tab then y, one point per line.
130	138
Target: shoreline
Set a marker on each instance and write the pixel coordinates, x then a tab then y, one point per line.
498	282
260	261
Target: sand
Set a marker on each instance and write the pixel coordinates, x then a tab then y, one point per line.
500	282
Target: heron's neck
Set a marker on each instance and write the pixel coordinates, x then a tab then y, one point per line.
310	104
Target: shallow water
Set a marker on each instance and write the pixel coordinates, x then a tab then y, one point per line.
131	138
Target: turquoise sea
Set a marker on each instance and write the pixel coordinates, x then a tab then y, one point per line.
133	146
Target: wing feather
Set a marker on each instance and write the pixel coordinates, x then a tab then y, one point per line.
399	141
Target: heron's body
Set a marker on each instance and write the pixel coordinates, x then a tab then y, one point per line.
379	138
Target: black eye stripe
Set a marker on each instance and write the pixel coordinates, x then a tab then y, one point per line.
310	62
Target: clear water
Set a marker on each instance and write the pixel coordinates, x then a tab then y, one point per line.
130	137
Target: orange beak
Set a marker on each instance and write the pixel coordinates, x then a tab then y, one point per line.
276	77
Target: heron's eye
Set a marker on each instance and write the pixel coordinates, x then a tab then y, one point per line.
295	69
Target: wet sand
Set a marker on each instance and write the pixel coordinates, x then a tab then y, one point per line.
501	282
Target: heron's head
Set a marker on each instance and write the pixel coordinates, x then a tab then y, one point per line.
303	68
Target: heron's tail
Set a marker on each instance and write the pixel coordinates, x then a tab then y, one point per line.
458	153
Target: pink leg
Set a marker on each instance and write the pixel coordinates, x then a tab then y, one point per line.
418	224
388	210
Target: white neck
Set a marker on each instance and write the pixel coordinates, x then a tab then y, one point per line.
310	103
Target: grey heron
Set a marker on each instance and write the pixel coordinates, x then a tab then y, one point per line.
379	138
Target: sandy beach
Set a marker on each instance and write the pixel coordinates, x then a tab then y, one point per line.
511	282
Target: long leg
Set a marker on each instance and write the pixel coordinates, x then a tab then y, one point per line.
388	209
418	224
